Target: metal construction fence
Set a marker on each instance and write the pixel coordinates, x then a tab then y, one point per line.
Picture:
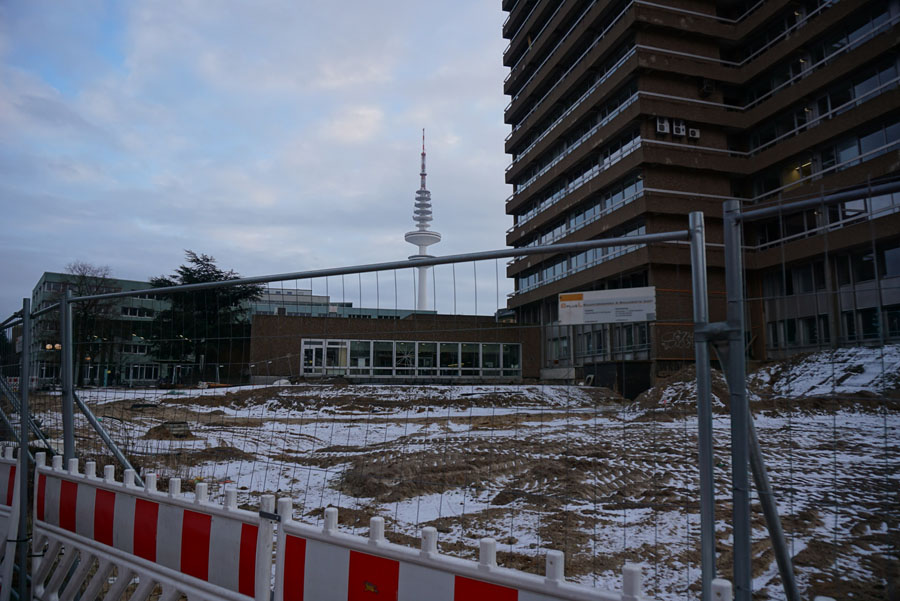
337	393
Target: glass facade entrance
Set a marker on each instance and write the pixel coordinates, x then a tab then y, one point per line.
410	359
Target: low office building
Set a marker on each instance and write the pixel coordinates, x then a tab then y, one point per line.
302	302
418	347
111	336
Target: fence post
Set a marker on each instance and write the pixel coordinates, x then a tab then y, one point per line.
773	522
704	404
740	411
104	435
67	376
24	421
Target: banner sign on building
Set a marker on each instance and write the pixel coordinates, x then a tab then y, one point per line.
608	306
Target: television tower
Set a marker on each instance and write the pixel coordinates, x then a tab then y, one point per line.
422	236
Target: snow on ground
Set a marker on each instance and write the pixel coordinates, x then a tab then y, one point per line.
833	372
544	467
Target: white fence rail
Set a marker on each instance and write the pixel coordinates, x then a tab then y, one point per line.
155	541
97	538
9	520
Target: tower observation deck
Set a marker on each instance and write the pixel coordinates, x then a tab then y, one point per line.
422	237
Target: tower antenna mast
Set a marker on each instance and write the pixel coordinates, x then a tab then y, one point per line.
422	237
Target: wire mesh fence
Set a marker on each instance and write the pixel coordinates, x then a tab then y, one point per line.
823	340
337	391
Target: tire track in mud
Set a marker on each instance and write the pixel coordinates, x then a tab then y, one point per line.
605	482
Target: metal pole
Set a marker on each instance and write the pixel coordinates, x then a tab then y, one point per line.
10	395
25	419
98	427
704	405
817	201
68	389
740	412
773	522
568	247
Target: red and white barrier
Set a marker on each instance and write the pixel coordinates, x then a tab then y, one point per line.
160	540
9	519
323	564
99	538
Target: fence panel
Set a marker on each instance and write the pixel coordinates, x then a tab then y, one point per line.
120	539
9	520
336	392
325	564
823	346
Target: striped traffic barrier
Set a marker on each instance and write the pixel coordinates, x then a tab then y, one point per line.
161	538
313	564
9	519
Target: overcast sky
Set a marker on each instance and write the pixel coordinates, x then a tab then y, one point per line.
277	136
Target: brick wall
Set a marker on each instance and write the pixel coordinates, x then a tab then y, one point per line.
276	338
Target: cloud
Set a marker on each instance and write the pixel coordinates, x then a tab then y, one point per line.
352	72
276	136
353	125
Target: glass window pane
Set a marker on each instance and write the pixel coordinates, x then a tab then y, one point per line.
870	323
893	320
892	133
819	274
790	329
360	361
427	358
824	331
864	267
794	225
773	333
891	262
336	357
490	357
383	357
880	203
406	358
449	359
470	356
511	365
871	141
865	86
803	278
810	334
846	152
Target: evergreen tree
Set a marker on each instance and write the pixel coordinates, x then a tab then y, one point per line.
206	326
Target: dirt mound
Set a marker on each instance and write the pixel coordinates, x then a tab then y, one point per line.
680	389
832	372
170	431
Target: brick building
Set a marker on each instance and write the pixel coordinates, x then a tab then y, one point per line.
430	347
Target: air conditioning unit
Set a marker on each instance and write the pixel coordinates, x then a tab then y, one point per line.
693	133
662	125
678	127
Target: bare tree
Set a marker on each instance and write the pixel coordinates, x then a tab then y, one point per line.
90	317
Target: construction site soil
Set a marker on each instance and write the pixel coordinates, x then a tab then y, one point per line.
604	479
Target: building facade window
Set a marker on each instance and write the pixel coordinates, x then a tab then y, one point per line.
412	359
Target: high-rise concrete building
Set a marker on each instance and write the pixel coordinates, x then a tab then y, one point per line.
627	115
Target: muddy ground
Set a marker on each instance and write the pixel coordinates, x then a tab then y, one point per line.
602	478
